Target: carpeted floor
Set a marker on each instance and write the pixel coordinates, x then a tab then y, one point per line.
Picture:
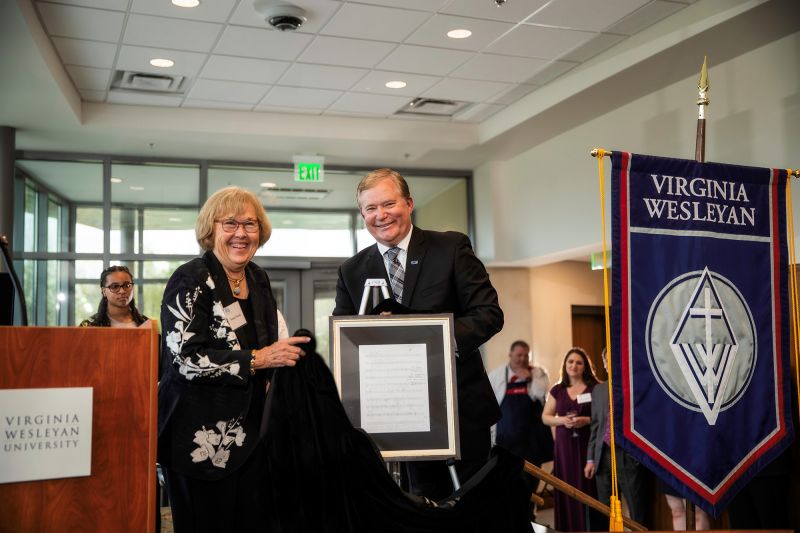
166	520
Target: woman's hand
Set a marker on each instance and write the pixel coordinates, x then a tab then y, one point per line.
281	353
574	422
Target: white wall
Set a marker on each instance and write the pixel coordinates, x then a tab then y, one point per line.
546	200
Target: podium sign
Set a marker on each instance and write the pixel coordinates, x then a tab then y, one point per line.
45	433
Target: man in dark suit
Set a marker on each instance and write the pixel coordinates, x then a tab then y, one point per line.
430	272
634	479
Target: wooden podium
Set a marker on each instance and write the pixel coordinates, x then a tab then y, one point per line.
121	365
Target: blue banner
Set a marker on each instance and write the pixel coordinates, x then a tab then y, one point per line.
700	321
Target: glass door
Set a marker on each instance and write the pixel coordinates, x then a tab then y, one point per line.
319	299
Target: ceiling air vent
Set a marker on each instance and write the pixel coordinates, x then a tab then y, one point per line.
432	107
149	83
285	193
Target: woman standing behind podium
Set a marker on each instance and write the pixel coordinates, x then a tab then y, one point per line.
223	336
117	308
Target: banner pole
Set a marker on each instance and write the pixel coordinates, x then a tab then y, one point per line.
700	157
702	102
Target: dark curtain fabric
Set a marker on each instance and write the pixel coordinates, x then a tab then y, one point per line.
323	475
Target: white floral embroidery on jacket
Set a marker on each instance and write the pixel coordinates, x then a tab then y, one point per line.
202	366
215	443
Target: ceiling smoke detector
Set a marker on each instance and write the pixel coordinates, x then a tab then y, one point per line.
283	17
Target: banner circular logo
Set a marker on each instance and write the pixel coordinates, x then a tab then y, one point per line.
701	342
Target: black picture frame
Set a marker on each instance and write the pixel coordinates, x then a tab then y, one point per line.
391	348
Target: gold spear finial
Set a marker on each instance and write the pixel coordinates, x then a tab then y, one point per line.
702	85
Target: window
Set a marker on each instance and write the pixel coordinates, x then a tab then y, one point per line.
309	234
66	237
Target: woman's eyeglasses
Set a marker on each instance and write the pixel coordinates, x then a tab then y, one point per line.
116	287
230	225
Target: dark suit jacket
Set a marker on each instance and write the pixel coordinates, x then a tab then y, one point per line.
598	424
442	276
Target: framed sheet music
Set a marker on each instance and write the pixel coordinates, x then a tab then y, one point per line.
396	379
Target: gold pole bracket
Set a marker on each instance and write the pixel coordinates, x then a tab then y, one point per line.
596	152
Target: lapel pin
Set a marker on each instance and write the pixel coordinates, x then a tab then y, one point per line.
415	262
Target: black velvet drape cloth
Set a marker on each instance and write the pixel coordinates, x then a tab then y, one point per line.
323	475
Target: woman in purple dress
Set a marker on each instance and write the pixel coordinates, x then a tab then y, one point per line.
568	409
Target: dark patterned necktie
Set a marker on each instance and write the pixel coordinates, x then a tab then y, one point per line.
396	272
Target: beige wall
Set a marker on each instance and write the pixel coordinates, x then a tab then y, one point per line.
445	212
537	306
513	289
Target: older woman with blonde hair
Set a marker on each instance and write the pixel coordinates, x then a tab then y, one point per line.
223	336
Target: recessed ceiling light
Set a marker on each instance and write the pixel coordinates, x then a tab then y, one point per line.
268	184
396	84
459	34
162	63
115	180
186	3
136	188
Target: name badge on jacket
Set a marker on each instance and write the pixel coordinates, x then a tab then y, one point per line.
235	315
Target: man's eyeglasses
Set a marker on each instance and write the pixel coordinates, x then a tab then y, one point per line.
116	287
230	225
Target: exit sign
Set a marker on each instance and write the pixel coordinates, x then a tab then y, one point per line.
309	168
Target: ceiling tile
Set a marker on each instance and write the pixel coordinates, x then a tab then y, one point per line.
299	97
244	69
88	95
121	97
286	109
488	10
592	47
261	43
644	17
539	41
214	11
375	82
492	67
512	94
322	76
318	12
227	91
116	5
137	59
585	14
424	60
89	78
378	104
81	22
422	5
551	72
478	112
465	90
85	53
374	22
434	32
161	32
345	52
211	104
